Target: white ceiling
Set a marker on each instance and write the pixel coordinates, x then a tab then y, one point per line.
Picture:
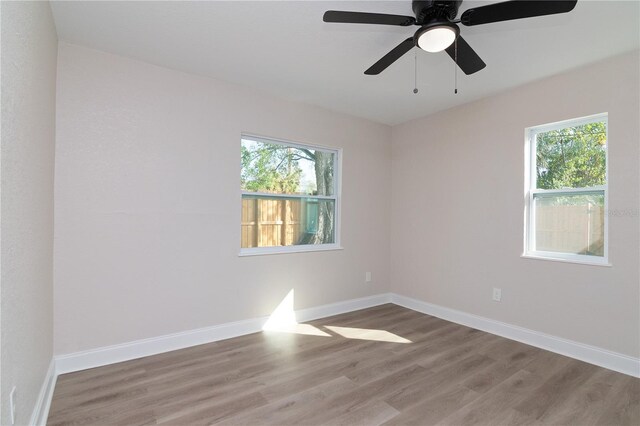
284	48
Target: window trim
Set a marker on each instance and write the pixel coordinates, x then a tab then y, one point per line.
337	197
530	191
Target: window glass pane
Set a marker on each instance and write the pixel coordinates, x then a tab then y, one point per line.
281	169
573	157
280	221
570	223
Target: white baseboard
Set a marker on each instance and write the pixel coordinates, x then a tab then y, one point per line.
140	348
591	354
43	403
338	308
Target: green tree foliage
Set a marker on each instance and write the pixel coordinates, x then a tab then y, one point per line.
574	157
269	168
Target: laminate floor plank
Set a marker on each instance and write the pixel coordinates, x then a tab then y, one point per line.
430	409
373	413
625	409
438	382
382	365
340	405
583	405
548	363
513	417
100	413
206	411
71	390
556	389
442	354
299	381
485	410
509	360
279	411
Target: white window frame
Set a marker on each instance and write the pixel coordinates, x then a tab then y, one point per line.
337	183
530	192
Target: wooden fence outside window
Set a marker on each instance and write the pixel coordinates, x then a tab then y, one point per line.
570	229
272	222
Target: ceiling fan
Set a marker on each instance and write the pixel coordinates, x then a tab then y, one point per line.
439	30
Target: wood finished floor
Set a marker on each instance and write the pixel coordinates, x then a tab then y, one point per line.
447	374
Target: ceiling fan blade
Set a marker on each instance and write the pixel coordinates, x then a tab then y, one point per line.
514	9
468	60
367	18
391	57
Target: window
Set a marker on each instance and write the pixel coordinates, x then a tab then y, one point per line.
290	197
566	191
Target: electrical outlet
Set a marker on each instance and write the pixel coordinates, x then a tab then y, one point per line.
497	294
367	277
12	405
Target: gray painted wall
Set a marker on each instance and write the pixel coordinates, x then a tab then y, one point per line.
29	52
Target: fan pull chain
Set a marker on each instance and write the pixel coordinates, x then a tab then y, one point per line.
455	72
415	69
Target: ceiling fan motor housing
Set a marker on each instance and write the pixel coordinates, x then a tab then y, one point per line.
435	10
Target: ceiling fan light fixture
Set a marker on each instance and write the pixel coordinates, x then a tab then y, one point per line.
438	37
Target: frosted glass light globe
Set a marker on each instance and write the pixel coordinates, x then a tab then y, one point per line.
436	39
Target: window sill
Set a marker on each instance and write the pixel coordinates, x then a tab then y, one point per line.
594	262
261	251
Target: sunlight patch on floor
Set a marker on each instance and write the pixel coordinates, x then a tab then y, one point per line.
367	334
283	319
